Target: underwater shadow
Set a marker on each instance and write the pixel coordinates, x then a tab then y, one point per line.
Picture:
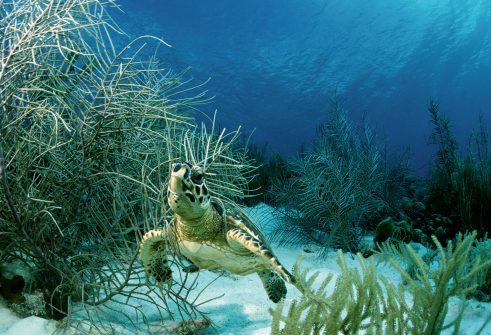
232	319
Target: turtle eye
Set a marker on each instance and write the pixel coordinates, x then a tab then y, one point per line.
197	178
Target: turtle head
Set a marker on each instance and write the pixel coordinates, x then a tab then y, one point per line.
188	195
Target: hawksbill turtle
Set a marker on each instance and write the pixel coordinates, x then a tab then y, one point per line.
210	236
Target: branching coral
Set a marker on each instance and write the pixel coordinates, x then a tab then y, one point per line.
334	186
364	302
271	170
228	169
460	186
86	141
483	282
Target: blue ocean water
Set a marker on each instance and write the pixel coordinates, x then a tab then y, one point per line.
105	218
275	64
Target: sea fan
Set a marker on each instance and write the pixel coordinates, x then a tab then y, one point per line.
83	159
333	187
227	168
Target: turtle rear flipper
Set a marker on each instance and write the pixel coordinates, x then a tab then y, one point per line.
153	254
192	268
273	284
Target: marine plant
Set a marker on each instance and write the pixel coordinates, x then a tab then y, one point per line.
229	170
459	186
334	187
271	169
366	302
483	282
88	132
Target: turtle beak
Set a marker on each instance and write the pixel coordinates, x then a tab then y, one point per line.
180	172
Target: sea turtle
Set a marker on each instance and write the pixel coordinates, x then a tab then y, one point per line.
210	236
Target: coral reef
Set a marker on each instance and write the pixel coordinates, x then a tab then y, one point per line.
89	131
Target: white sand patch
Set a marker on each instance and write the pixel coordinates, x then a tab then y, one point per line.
7	318
32	325
11	324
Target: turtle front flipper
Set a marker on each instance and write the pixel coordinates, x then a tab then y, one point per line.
254	245
153	254
273	284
